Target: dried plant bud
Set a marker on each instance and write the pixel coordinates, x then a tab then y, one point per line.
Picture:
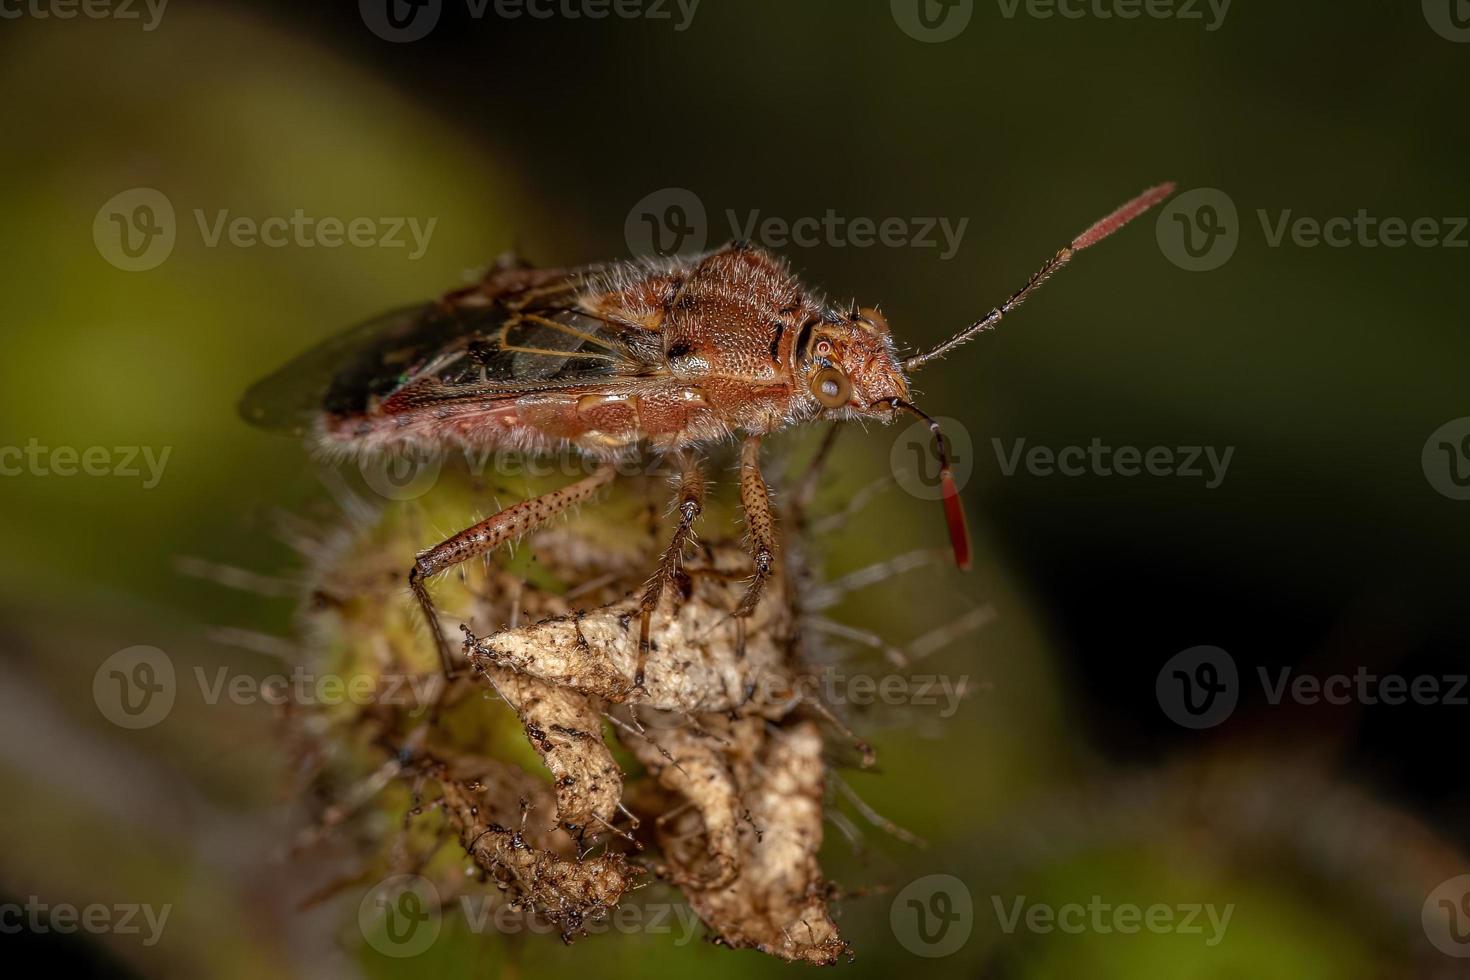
778	902
566	730
696	664
730	806
695	764
566	890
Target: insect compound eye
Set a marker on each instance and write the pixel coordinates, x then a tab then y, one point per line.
830	387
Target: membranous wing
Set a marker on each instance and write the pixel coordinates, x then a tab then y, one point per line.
520	331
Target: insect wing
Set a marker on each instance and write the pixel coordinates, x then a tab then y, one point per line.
438	352
294	396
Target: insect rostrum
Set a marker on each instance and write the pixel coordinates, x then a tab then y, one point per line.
631	358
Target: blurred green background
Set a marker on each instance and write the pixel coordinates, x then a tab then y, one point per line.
1326	548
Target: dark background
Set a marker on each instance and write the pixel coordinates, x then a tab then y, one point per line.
1326	548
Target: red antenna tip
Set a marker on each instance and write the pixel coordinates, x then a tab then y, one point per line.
1122	216
954	514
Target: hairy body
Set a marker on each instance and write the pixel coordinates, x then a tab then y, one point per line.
656	357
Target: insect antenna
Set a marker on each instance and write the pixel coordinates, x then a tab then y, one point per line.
1099	230
954	509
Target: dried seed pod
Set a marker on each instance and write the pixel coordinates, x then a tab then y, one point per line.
695	764
565	728
777	903
567	891
730	806
691	666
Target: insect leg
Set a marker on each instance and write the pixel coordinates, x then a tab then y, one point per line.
690	505
760	525
502	528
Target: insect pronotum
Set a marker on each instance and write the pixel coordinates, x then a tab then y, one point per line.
614	361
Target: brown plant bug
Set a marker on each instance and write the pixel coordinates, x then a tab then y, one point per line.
617	361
